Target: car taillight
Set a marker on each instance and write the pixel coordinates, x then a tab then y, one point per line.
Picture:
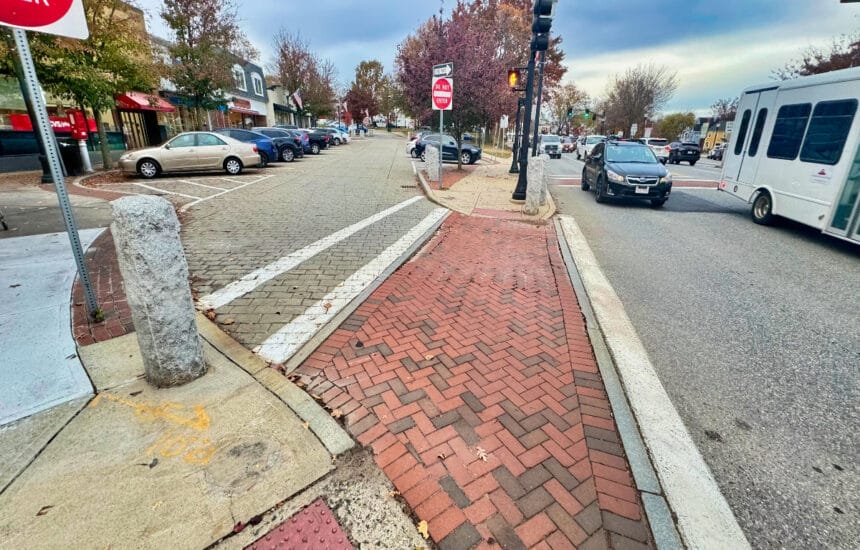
667	148
255	149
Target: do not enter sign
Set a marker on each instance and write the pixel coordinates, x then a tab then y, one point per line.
443	94
62	17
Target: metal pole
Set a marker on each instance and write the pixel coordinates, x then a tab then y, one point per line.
514	157
537	103
44	129
441	126
522	183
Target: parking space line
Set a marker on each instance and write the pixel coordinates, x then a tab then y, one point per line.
243	181
204	199
192	197
260	276
202	185
283	344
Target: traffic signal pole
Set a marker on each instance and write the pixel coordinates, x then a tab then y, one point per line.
522	182
537	103
514	156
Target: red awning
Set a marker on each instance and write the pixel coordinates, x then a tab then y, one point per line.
140	101
242	111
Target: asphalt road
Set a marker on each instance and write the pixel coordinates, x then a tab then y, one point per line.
754	333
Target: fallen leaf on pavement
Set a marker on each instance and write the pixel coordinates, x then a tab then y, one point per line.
422	528
337	413
210	314
44	510
482	454
393	494
306	425
228	322
441	456
317	397
429	357
327	306
16	285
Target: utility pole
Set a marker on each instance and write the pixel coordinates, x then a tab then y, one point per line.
544	10
538	102
514	156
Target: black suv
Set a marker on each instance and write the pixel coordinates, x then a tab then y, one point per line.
288	146
689	152
626	169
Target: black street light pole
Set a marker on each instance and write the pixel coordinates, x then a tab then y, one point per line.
514	168
537	103
520	191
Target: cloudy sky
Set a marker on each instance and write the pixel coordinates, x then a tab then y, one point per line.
718	47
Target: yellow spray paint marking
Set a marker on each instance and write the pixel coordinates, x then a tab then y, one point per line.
164	411
193	449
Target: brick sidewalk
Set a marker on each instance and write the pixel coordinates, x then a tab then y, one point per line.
470	375
110	294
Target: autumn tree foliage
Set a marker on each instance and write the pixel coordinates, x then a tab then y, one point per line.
115	58
843	53
564	97
206	42
365	92
483	38
672	126
297	67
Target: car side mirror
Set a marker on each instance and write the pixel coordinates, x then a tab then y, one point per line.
167	146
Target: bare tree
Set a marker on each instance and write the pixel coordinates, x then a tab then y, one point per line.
564	97
297	68
725	109
638	94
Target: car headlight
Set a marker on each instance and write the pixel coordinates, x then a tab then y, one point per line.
127	156
617	178
666	179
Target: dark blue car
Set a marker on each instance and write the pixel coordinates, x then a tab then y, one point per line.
265	145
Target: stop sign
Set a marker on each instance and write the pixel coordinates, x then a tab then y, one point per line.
443	94
62	17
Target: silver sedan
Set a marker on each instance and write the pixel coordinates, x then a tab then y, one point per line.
191	152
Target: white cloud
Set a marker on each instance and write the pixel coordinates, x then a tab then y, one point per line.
714	66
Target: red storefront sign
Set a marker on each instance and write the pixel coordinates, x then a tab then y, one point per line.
58	123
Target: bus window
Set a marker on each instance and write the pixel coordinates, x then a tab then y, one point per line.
756	136
788	131
828	130
742	133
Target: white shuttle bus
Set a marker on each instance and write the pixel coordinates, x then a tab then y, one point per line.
795	152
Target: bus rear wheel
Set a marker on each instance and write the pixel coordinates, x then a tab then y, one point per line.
762	209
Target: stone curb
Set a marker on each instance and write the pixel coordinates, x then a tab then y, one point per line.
328	431
326	330
687	505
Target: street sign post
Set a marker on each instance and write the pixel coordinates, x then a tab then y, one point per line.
442	97
63	18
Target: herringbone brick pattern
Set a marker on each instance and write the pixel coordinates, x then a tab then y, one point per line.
470	374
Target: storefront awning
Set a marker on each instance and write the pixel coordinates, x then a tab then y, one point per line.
283	108
243	111
140	101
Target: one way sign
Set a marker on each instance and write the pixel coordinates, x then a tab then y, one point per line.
443	70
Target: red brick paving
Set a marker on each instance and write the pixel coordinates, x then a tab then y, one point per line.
110	294
470	375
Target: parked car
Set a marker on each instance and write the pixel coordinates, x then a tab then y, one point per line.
303	137
334	135
287	126
288	146
468	153
586	144
716	152
319	140
265	145
658	146
549	144
410	145
626	169
688	152
191	151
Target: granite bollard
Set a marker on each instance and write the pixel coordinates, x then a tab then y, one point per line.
431	163
155	273
536	190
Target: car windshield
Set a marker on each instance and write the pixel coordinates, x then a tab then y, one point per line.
627	153
591	140
550	139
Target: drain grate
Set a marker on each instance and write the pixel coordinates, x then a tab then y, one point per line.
314	527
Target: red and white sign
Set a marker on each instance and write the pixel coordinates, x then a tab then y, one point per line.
61	17
443	94
58	123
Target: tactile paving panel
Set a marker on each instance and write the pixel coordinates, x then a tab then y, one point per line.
314	527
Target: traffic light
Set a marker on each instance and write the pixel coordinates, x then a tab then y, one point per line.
569	112
587	114
543	13
514	78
